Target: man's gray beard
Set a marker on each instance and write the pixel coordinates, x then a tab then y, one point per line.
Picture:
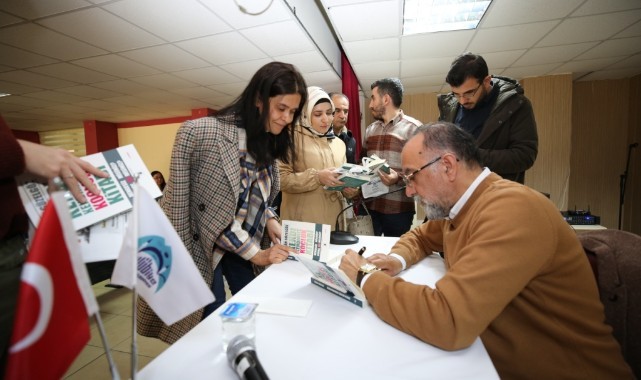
432	210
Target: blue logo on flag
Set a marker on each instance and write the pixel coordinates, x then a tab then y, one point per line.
154	261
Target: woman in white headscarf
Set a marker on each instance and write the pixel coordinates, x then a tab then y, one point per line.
318	153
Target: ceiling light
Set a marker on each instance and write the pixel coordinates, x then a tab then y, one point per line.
426	16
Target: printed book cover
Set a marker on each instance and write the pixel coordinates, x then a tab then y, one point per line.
122	164
307	239
334	281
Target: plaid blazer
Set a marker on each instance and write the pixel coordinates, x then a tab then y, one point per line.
200	200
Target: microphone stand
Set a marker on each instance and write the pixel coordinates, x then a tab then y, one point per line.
624	177
344	237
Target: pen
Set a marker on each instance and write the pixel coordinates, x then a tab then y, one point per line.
361	251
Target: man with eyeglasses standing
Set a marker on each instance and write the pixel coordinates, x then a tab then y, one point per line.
526	289
494	110
393	213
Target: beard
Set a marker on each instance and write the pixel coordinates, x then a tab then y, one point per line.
377	112
433	211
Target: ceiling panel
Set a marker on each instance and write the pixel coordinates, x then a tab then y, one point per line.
590	28
244	70
7	19
37	39
34	79
102	29
128	60
502	13
227	10
586	65
72	73
89	92
552	54
169	19
296	40
384	49
510	37
591	7
115	65
165	58
18	58
614	48
430	66
378	19
435	45
36	9
163	81
229	48
208	76
123	86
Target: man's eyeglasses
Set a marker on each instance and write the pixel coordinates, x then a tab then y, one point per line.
467	94
408	178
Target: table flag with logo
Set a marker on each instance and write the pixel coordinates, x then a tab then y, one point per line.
167	277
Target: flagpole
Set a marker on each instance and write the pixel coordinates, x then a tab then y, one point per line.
115	375
134	331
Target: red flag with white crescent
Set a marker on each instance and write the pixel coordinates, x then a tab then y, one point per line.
51	324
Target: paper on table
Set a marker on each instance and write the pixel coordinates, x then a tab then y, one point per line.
279	306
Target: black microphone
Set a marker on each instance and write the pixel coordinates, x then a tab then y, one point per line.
345	238
242	357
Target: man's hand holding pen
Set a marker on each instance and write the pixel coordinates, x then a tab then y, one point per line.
351	262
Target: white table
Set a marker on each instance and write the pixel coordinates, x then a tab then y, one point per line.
336	340
587	227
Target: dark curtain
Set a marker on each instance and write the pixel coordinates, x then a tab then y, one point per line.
350	88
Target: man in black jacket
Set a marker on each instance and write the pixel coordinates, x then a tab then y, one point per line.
495	111
341	109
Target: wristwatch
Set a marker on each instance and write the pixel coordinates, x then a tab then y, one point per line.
365	269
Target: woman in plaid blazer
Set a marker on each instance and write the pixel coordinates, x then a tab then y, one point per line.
221	185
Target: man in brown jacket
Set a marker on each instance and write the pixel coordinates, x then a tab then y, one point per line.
516	277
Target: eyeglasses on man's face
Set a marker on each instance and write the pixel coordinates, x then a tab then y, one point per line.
408	178
467	94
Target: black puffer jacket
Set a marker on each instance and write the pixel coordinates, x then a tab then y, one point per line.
508	141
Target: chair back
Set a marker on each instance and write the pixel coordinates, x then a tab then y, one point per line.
615	257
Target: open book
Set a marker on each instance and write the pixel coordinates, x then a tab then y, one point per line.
373	163
307	239
333	280
353	175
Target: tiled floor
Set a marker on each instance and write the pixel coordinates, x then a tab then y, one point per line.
115	310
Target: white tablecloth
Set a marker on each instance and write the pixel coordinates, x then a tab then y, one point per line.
336	340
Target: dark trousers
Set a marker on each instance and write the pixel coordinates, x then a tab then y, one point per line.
12	256
391	224
237	271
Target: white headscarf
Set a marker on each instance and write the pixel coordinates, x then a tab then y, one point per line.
314	94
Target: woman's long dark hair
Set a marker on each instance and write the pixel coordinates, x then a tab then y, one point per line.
273	79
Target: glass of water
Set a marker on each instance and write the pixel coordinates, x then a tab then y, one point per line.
238	319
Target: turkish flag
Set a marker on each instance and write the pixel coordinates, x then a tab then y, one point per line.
51	325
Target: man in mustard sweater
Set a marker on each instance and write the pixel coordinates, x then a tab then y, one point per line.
517	276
